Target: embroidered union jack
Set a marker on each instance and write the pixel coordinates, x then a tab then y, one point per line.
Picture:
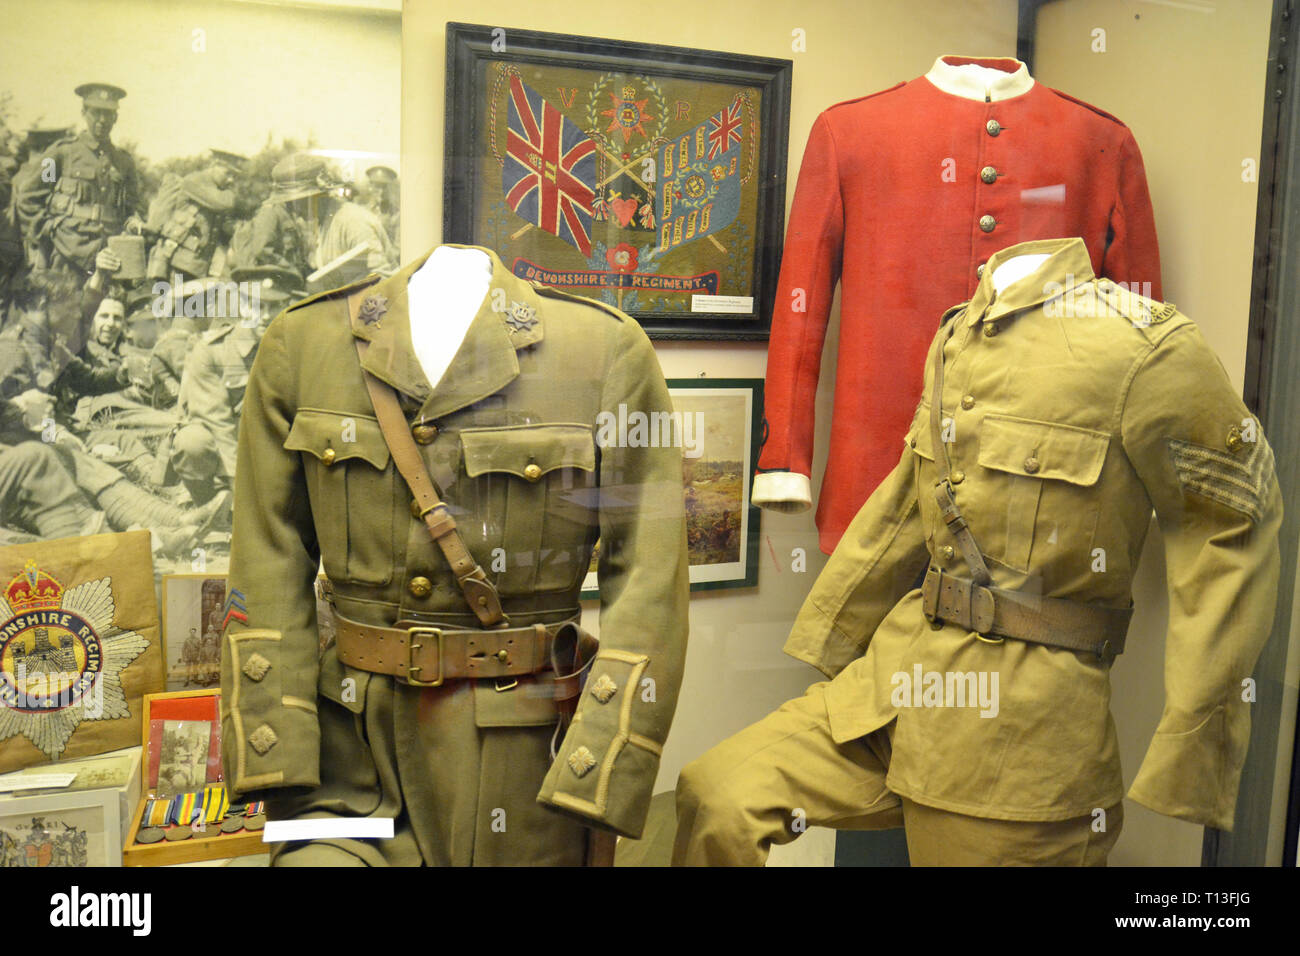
549	176
724	129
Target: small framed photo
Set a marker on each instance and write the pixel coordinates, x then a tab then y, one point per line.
721	427
82	828
649	177
182	772
193	606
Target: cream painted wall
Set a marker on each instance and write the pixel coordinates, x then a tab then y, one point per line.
1213	62
211	73
1188	79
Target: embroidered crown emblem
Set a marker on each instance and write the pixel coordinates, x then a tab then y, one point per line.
33	590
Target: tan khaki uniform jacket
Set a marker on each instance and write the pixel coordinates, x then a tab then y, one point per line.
1123	408
315	479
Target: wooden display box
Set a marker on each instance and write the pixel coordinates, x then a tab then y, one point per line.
211	845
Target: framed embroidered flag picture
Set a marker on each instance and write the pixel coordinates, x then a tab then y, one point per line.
649	177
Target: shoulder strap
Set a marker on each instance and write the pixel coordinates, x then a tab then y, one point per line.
479	592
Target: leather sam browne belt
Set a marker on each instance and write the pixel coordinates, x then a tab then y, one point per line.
480	593
427	656
1071	625
978	606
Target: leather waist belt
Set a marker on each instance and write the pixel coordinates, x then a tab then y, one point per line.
426	656
1071	625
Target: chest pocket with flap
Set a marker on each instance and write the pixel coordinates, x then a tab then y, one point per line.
1045	477
517	486
351	486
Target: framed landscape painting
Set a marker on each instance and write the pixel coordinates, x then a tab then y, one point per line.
721	424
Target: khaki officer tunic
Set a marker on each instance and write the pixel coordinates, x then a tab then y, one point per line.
1071	410
509	434
94	191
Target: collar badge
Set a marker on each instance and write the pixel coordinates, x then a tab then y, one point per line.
521	316
373	309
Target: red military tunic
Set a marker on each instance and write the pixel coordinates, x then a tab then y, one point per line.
902	196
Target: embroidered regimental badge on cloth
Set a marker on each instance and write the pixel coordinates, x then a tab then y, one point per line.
61	657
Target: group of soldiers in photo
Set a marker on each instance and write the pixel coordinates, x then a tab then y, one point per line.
132	301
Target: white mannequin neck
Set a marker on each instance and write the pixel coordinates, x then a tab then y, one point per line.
1013	270
443	296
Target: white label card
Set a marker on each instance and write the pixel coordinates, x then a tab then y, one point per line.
36	781
739	304
345	828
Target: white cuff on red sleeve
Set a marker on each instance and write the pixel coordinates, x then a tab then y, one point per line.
784	491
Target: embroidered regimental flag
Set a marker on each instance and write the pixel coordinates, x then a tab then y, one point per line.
699	178
78	646
549	175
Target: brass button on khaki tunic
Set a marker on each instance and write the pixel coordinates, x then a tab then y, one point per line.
466	768
1095	408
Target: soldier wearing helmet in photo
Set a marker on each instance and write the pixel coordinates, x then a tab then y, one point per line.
283	233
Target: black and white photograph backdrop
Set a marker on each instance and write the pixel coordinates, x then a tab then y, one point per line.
173	173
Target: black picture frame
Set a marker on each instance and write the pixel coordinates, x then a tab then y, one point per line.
728	474
472	51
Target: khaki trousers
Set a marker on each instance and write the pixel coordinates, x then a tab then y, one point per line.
774	779
459	794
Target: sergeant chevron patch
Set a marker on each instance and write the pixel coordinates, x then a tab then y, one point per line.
1224	478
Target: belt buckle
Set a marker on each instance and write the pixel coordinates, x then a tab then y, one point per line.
930	594
412	647
989	615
